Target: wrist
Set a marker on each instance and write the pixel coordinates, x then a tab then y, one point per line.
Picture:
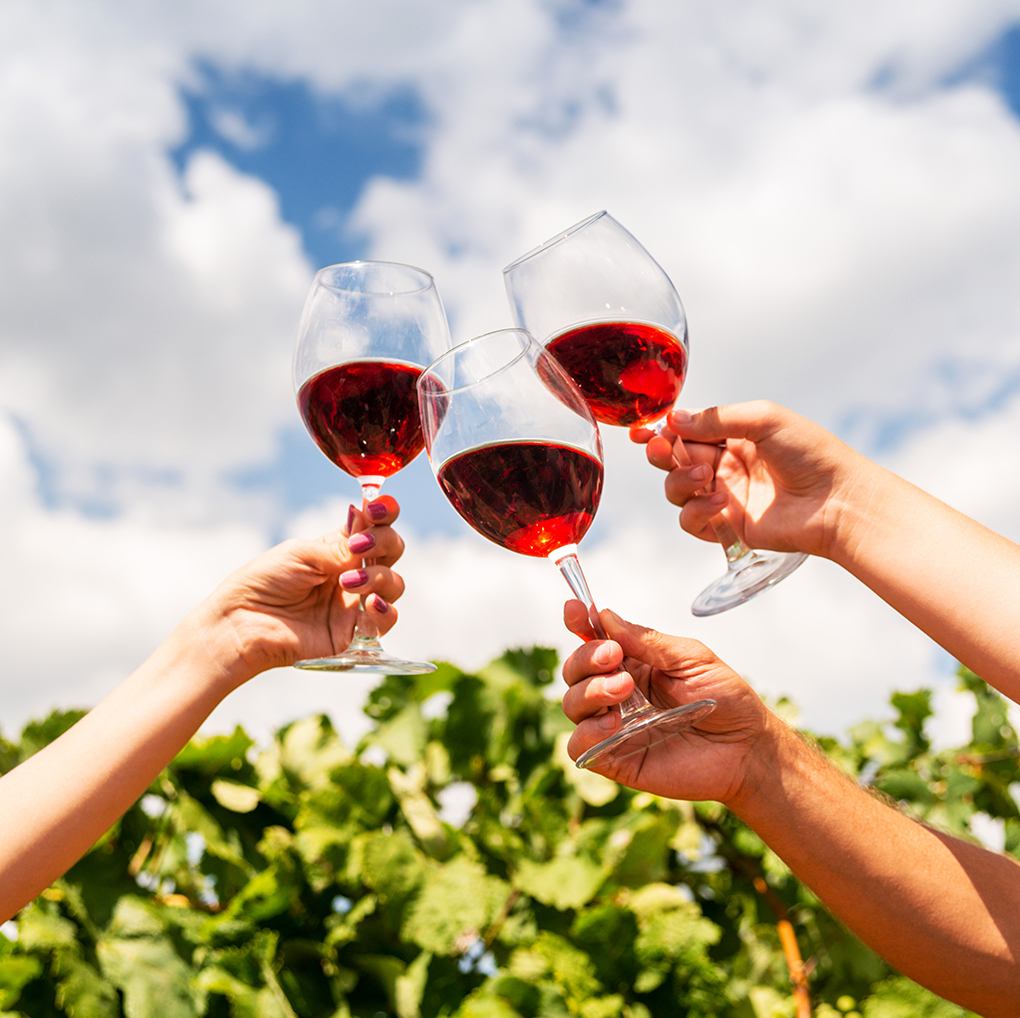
208	641
768	766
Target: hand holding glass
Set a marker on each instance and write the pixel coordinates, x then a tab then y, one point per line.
516	450
611	316
366	332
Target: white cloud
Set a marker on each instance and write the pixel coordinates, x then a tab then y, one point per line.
842	228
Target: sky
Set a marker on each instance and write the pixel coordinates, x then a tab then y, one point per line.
834	192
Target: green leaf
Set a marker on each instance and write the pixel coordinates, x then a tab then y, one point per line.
15	973
138	957
234	796
901	998
455	906
45	930
402	736
563	883
81	990
409	986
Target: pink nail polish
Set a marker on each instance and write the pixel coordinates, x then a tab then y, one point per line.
350	520
379	604
361	542
377	510
353	578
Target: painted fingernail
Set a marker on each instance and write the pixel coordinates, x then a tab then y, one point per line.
351	514
353	578
378	604
377	510
361	542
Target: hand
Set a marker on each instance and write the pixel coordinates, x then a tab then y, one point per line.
301	598
711	760
780	477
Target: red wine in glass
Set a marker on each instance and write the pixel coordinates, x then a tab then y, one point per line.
517	451
630	372
367	331
363	415
612	317
530	497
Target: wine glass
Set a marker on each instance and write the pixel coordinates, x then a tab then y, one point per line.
611	316
367	331
516	450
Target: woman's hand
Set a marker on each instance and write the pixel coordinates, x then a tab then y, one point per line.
301	598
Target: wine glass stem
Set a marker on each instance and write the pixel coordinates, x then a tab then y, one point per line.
732	546
365	631
566	561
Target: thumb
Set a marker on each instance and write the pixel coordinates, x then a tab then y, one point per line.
647	645
754	421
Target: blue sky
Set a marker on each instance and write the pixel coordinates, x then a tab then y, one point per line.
834	193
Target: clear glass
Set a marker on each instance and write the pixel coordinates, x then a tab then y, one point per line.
367	331
607	310
514	446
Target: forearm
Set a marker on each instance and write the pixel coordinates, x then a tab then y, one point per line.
955	579
60	801
944	912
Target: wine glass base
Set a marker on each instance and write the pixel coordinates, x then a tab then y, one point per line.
643	730
747	577
366	660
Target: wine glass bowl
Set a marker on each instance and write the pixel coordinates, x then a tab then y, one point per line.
367	331
517	451
611	316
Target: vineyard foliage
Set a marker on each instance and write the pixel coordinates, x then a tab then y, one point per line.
456	863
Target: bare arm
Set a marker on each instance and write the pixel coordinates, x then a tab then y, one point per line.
297	600
943	911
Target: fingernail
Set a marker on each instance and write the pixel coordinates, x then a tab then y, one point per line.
701	472
361	542
601	654
379	604
681	416
377	510
351	513
353	578
718	499
614	683
609	721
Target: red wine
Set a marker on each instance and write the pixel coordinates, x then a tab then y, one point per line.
530	497
629	373
364	415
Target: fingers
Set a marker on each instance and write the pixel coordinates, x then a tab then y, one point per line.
671	654
381	611
381	582
595	681
754	421
368	534
381	511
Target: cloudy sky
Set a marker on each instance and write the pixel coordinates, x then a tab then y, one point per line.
835	193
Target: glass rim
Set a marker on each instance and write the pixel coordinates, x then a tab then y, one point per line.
427	277
557	238
430	372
